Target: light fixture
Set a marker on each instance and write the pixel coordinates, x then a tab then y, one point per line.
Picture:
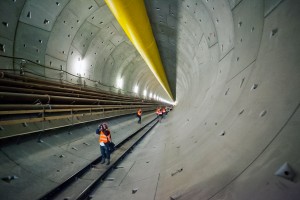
120	83
136	89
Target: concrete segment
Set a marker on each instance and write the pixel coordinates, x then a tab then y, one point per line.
228	137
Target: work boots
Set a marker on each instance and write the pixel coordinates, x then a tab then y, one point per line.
108	162
102	161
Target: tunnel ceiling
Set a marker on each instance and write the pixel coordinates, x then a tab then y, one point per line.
79	37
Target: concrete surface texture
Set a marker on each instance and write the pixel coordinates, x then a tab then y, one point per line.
233	64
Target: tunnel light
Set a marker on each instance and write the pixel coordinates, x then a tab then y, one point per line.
145	93
166	101
80	66
120	83
150	95
136	89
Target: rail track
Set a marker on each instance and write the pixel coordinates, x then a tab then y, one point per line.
83	182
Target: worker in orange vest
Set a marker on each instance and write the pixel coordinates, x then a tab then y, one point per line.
163	112
139	115
104	140
159	114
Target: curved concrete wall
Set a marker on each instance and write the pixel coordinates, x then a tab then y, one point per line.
234	67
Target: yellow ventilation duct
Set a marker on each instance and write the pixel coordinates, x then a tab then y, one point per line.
133	18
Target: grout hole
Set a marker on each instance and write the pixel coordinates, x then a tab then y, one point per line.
46	21
286	173
2	48
29	15
254	86
274	32
5	24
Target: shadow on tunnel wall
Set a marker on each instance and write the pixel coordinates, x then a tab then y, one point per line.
163	19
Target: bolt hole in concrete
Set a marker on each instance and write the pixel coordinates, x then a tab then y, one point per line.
274	32
8	179
5	24
46	21
240	24
134	190
254	86
222	133
286	173
2	48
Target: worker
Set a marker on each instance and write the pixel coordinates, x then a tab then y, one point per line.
159	114
163	112
104	140
139	115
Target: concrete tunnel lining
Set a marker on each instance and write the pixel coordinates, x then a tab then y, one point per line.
232	137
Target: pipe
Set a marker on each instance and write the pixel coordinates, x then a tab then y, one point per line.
133	18
59	89
47	99
6	107
66	87
55	93
60	85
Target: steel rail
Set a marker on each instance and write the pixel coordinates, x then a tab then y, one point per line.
137	136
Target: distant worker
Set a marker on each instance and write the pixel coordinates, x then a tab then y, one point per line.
139	115
159	114
104	141
167	110
163	112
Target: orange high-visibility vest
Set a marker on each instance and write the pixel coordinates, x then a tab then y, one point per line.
103	138
139	112
159	112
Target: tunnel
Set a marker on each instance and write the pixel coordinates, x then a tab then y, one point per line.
233	70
